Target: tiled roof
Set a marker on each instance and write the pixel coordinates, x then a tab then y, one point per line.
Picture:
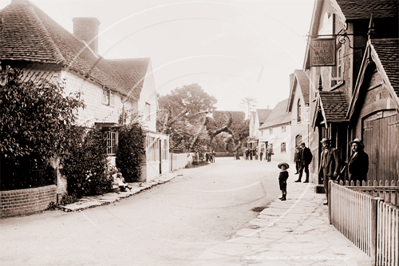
362	9
388	53
303	81
334	105
263	114
28	34
278	115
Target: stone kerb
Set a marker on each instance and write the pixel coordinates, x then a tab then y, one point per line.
26	201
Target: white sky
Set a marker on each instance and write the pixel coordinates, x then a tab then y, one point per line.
233	49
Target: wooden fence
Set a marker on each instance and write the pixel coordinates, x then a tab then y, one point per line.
360	214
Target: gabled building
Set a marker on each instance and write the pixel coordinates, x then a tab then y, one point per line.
348	25
298	107
256	120
276	131
32	41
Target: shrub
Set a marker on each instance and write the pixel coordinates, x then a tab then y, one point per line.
85	165
130	151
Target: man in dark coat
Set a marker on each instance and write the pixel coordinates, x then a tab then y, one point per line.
306	157
358	165
297	159
329	164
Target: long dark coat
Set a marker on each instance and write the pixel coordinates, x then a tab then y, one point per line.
358	166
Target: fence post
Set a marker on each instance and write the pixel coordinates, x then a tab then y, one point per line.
374	229
329	200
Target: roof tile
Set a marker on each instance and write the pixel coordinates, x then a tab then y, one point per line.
362	9
334	105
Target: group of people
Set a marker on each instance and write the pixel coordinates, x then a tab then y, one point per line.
330	166
251	154
210	156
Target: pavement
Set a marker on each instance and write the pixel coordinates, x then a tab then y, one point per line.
295	232
108	198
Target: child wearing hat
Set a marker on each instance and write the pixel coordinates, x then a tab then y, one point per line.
282	179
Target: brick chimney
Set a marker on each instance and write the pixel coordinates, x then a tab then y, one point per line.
86	29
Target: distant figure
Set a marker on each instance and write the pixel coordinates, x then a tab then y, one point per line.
305	157
261	154
251	153
282	180
269	152
329	164
297	159
237	154
246	154
358	165
213	158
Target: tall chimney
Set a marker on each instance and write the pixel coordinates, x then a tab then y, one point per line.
86	29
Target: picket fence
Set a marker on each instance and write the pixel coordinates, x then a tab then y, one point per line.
368	216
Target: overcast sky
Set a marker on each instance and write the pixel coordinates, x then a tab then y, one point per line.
232	49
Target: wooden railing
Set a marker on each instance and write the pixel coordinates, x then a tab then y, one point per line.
387	235
388	191
360	214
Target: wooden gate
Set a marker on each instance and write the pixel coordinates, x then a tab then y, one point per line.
381	140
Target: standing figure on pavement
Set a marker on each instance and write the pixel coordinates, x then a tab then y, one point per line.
269	152
358	165
305	158
261	154
297	159
282	180
329	164
246	154
251	153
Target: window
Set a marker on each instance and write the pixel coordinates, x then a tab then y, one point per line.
271	131
147	112
283	129
106	98
299	112
111	142
337	72
283	148
261	133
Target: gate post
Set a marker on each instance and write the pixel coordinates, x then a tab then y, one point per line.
374	228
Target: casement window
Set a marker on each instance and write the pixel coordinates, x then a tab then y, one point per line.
271	131
283	147
299	112
337	72
147	111
111	142
108	97
261	133
283	129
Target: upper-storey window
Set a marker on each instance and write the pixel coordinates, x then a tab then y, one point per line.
147	111
337	72
299	112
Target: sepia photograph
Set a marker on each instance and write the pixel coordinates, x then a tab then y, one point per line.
199	132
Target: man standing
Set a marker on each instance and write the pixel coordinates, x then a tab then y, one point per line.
329	164
306	157
358	165
269	152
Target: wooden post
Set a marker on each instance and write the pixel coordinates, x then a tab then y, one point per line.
374	232
329	200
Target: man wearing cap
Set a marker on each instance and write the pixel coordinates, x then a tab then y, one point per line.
358	165
306	157
329	164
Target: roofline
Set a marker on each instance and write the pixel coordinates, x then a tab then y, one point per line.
276	125
370	53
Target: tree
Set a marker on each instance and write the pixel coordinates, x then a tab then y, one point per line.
248	104
35	117
183	114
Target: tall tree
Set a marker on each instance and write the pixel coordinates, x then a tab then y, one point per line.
248	104
182	115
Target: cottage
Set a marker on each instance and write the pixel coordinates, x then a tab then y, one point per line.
34	42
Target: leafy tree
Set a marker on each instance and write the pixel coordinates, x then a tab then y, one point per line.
182	116
35	117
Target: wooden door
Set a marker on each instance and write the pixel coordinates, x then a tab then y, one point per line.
381	137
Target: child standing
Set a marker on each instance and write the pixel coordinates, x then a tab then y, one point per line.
282	179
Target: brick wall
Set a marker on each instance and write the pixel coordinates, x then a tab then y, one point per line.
26	201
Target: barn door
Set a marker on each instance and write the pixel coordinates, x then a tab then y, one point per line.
381	137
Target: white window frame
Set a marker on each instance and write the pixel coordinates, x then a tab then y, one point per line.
337	72
112	141
106	96
270	131
147	111
283	129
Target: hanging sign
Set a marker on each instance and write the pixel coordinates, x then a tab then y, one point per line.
322	52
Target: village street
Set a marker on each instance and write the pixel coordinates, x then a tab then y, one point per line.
169	224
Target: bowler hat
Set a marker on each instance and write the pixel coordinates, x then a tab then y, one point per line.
285	164
358	141
325	140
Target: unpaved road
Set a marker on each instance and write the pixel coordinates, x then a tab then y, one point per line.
170	224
